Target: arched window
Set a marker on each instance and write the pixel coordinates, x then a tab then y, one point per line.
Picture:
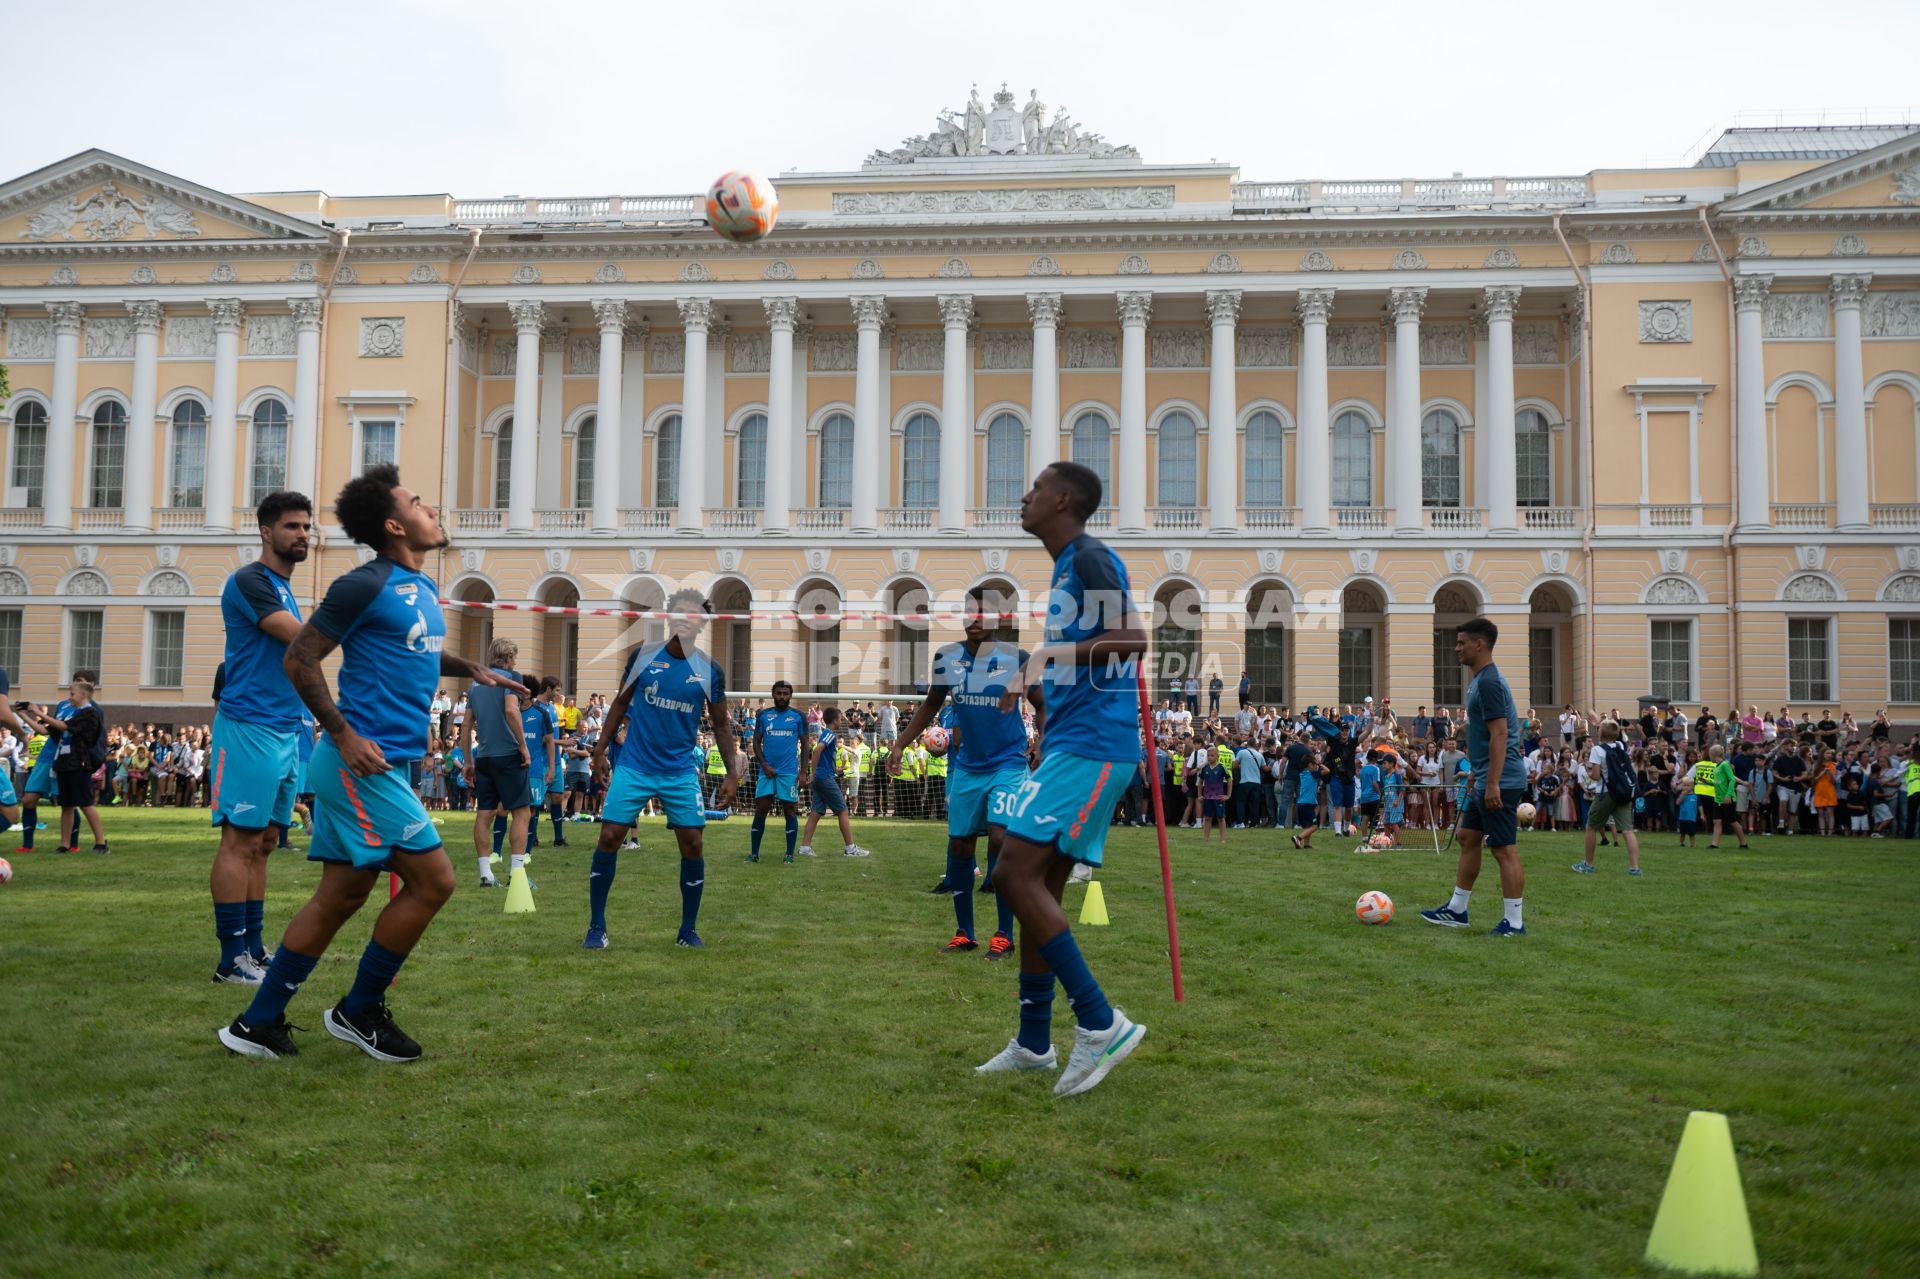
503	465
1093	447
1006	460
107	471
666	462
920	462
1440	459
1265	461
270	439
29	450
585	439
187	456
1179	461
1532	458
1352	460
750	484
836	461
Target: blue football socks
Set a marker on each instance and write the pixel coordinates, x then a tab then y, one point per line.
29	820
599	884
499	832
759	830
1083	992
378	967
1036	1012
960	884
1003	905
557	817
285	974
230	926
256	925
693	877
793	835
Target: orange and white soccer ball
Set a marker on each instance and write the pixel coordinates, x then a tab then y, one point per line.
935	740
1525	813
742	207
6	871
1374	908
1380	842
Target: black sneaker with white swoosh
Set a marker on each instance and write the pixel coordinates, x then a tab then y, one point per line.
268	1039
373	1033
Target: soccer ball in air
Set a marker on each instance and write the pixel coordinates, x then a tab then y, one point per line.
1374	908
1525	813
742	207
6	871
935	740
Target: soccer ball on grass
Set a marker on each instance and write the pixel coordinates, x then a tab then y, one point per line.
1525	813
1374	907
6	871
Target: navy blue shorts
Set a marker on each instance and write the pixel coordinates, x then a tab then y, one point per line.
1499	829
500	781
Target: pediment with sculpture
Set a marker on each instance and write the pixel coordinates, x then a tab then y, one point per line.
1006	128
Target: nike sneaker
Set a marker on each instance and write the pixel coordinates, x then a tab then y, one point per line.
245	972
941	889
373	1033
268	1039
1014	1057
1095	1052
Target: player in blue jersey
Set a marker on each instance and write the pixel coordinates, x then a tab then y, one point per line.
825	795
9	802
255	759
385	618
1089	671
1494	788
664	692
777	733
40	780
987	763
540	724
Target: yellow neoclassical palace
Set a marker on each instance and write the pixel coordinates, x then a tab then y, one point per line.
1663	424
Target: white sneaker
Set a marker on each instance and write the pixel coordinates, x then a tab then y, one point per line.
805	850
854	850
1014	1057
1097	1052
1082	874
630	845
243	973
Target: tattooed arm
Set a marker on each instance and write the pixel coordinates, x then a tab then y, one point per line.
309	648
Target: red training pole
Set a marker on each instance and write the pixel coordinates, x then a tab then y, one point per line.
1152	761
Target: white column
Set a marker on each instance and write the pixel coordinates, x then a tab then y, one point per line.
550	490
802	490
223	426
1478	323
1130	475
144	401
715	474
633	415
696	317
609	432
1223	413
1851	513
1749	300
525	459
956	423
1497	423
303	435
1313	489
869	441
774	515
1043	439
56	501
1404	426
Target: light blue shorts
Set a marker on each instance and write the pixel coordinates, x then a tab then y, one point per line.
976	799
301	786
678	793
363	821
537	790
7	798
1067	804
40	776
780	787
557	784
255	774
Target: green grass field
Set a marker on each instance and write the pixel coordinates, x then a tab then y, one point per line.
798	1098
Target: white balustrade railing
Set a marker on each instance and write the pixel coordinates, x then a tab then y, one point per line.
733	519
995	516
1681	515
20	517
481	519
1454	519
179	518
100	519
907	517
1101	519
1436	193
1173	517
592	208
565	520
820	519
1372	519
1900	515
1264	518
1550	519
647	519
1802	515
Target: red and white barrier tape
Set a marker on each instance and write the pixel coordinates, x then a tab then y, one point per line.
660	614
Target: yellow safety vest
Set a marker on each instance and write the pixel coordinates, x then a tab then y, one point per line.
936	765
715	763
1703	779
1913	777
1226	756
1179	769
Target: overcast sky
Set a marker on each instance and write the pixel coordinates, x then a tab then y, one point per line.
564	97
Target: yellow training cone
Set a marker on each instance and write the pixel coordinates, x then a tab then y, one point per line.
1094	909
519	894
1702	1226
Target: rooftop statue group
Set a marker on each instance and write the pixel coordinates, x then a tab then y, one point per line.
1003	129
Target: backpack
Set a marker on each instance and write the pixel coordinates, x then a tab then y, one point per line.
1619	772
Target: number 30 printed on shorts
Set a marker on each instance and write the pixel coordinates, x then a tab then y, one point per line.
1008	804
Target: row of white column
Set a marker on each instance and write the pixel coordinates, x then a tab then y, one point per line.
1848	293
1135	311
223	443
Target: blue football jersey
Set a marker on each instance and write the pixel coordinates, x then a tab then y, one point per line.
1489	699
780	733
829	752
538	726
257	689
670	694
990	738
390	629
1094	710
